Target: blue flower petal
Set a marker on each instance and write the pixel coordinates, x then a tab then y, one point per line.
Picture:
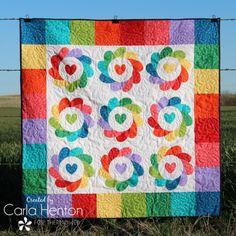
76	151
113	102
160	182
173	101
172	184
85	59
65	152
133	180
151	70
138	169
104	111
106	79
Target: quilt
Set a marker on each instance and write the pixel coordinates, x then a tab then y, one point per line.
120	118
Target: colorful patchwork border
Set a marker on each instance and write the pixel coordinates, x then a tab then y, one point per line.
35	34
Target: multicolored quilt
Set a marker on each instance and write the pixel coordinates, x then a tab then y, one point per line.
120	118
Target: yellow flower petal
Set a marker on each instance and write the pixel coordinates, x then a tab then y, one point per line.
55	112
185	63
137	118
171	136
161	152
131	55
84	181
104	174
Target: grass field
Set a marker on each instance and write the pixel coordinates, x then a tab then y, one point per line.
11	190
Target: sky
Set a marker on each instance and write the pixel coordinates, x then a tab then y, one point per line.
107	9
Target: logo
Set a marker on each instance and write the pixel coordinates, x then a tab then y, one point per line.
24	224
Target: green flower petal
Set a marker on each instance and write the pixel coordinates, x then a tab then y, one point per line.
85	158
182	129
187	119
133	107
165	52
88	170
62	133
54	123
111	183
154	172
179	54
108	56
121	186
119	53
83	80
125	101
154	160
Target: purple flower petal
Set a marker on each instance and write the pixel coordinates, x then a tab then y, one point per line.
55	162
163	102
75	53
135	158
88	120
116	86
104	124
183	179
155	80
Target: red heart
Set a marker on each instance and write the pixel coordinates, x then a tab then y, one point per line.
120	69
170	167
70	69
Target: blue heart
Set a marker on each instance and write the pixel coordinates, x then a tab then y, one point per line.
169	118
71	168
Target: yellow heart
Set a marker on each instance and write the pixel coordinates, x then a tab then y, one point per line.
169	67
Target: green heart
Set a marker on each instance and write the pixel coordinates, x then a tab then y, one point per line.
71	118
120	118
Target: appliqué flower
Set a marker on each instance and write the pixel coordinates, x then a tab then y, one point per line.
120	119
121	168
71	69
170	118
71	169
168	68
170	167
120	69
71	119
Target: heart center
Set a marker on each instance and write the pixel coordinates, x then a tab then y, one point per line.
169	118
70	69
169	67
120	69
71	168
71	119
121	168
170	167
120	118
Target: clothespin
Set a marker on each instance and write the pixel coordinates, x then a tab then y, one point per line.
214	18
115	20
27	19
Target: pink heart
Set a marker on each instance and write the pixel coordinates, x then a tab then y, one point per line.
70	69
170	167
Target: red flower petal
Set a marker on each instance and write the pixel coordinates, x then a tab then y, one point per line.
55	174
128	85
125	151
64	103
73	186
175	150
62	183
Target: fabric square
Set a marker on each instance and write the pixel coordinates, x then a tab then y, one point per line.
36	56
57	32
207	154
206	56
206	106
207	130
33	31
35	181
157	32
208	203
107	33
132	32
33	106
109	205
158	204
35	131
35	156
85	205
207	179
119	117
34	81
183	204
60	206
181	32
206	81
210	29
82	32
37	205
133	205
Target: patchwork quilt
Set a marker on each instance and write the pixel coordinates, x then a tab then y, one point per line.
120	118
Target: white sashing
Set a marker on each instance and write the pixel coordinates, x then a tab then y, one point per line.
175	164
73	126
121	169
71	169
127	122
163	73
72	63
120	62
